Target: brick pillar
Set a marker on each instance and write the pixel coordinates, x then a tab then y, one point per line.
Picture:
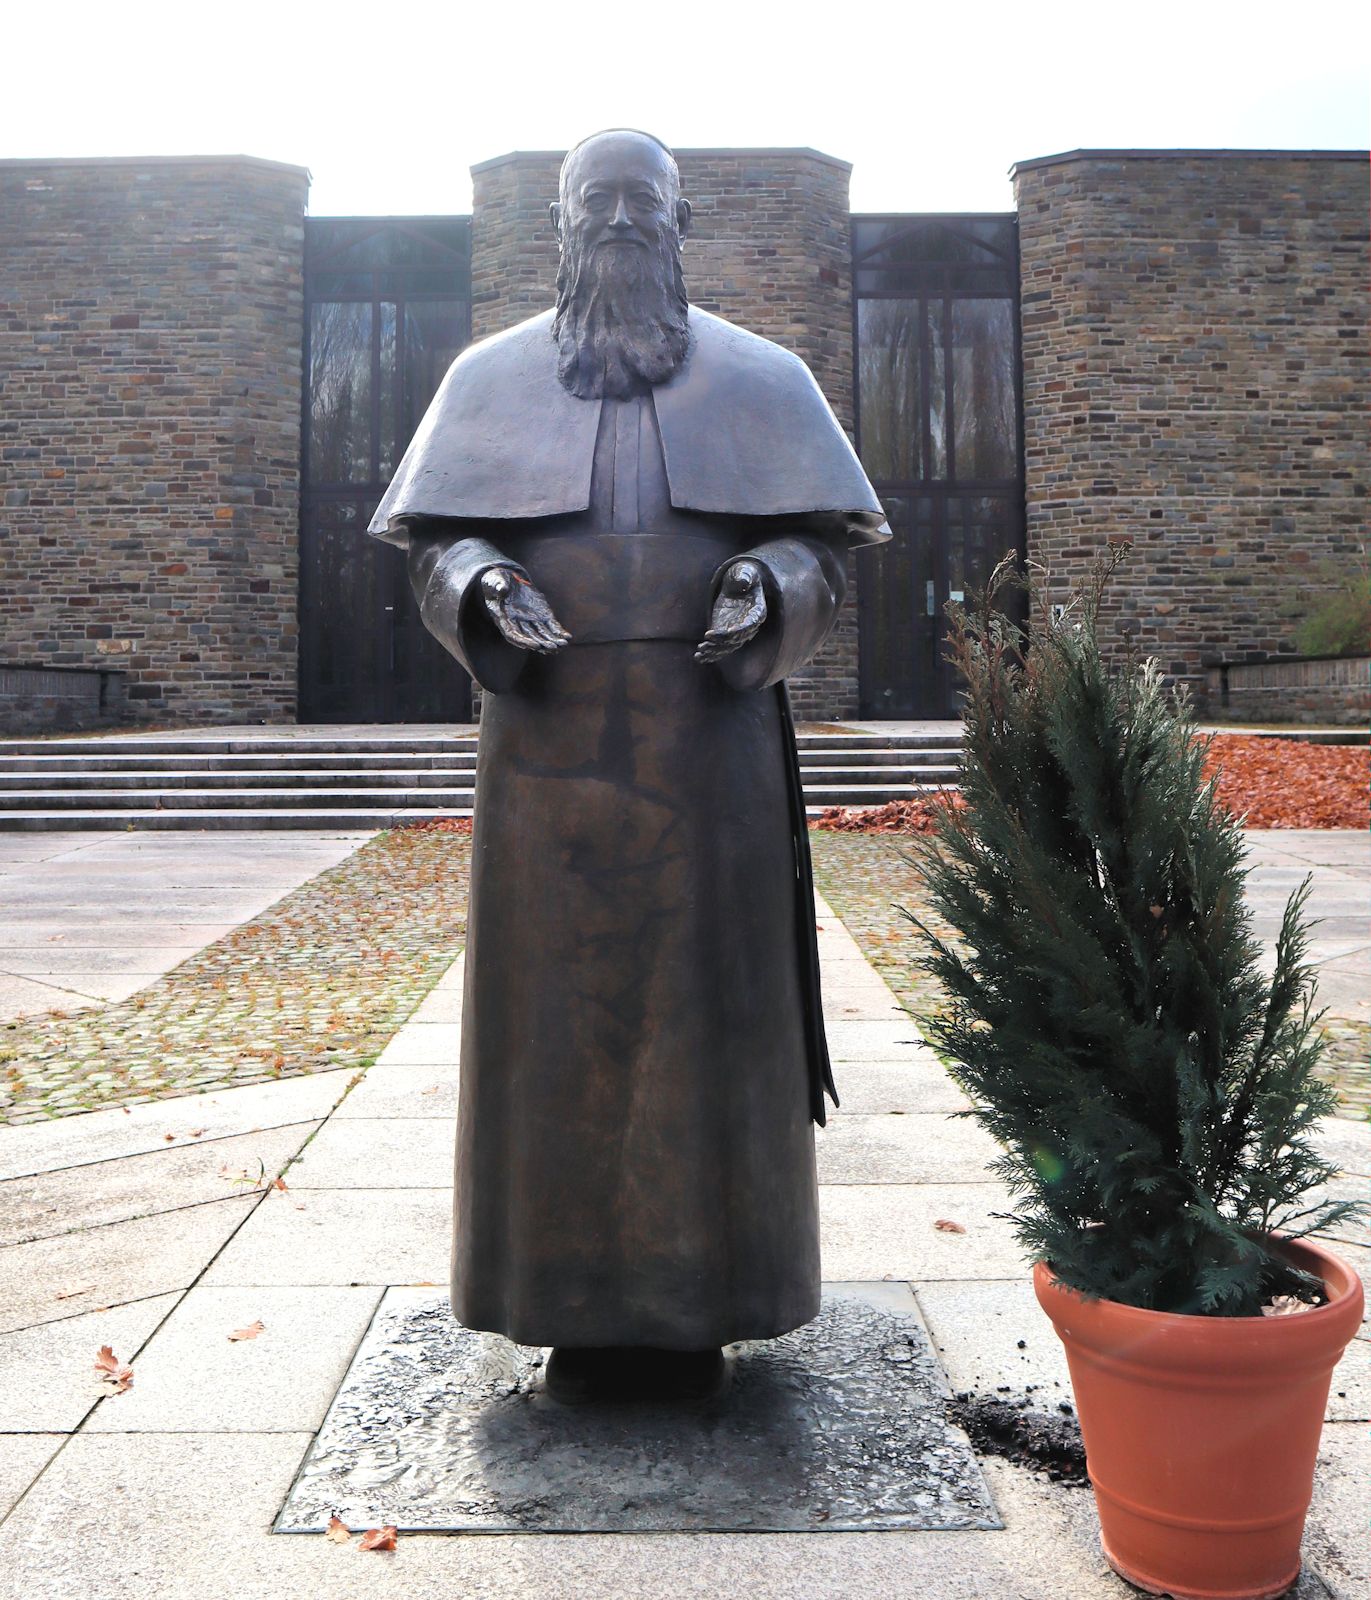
150	463
768	249
1196	379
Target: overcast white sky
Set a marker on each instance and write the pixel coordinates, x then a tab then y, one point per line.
388	104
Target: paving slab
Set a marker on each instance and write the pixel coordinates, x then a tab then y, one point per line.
22	1457
441	1004
839	1424
1349	1394
341	1236
894	1040
183	1517
427	1043
125	1261
994	1339
851	1002
62	962
1347	1143
378	1153
30	997
222	1113
192	1378
870	1232
918	1084
856	1148
180	1174
47	1374
403	1091
132	906
1336	1535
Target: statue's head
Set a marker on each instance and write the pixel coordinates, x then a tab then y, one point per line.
620	324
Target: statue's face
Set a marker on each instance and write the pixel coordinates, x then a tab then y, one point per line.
620	323
620	192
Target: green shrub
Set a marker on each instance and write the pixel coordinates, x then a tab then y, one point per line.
1340	624
1106	1010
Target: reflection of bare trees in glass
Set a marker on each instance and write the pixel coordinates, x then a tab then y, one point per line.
435	332
888	355
340	392
984	419
983	389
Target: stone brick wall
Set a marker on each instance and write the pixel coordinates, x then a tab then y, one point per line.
768	249
150	428
1197	378
1331	690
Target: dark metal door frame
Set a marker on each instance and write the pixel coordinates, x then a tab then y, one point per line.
932	260
364	655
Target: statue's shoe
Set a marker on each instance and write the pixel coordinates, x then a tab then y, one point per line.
635	1373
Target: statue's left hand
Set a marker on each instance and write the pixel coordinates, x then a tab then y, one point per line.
739	611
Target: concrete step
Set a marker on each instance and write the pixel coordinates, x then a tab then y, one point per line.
369	780
313	778
210	744
216	799
866	755
102	746
403	760
324	818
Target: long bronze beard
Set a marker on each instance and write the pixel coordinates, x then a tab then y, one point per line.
621	315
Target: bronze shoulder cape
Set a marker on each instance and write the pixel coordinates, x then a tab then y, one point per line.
503	440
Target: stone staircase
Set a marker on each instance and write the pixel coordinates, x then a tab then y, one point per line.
317	778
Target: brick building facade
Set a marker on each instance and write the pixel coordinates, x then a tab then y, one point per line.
1195	379
1195	376
150	429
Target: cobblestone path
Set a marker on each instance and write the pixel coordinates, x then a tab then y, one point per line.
322	979
865	877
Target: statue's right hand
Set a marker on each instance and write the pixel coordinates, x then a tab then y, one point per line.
521	612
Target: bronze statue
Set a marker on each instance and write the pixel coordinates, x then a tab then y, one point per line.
629	520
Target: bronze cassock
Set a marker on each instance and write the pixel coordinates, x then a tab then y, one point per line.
643	1051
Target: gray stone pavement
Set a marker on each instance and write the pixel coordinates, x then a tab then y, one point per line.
91	917
162	1246
1339	861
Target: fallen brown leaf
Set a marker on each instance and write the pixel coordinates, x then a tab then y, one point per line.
378	1538
197	1133
281	1184
170	1138
250	1332
71	1294
339	1532
944	1226
114	1374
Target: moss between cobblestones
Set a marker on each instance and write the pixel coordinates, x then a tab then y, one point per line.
320	980
865	877
326	976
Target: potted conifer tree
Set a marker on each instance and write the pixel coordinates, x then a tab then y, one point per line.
1106	1011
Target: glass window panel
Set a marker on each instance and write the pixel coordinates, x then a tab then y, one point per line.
329	285
435	331
339	393
937	390
373	249
888	386
983	401
912	255
386	384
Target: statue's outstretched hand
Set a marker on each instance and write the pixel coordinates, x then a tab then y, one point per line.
521	612
739	611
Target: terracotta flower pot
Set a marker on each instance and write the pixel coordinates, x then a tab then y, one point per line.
1201	1432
